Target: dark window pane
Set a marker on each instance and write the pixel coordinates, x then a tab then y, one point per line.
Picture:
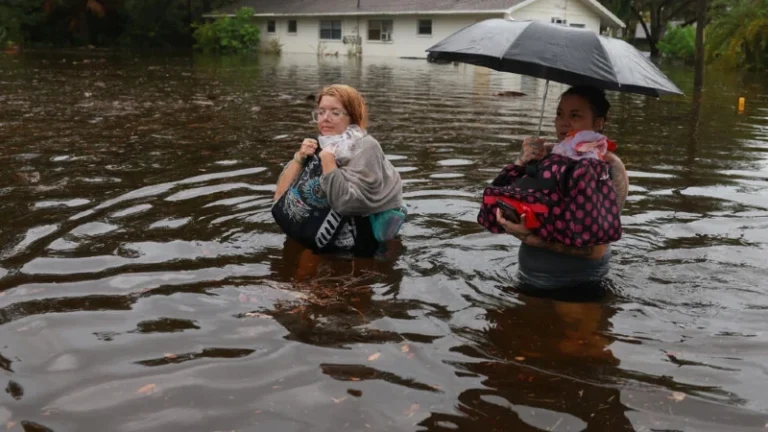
425	27
292	26
330	29
270	26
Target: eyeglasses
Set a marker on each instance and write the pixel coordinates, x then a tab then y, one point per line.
335	114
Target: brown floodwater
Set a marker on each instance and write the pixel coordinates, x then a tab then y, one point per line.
145	287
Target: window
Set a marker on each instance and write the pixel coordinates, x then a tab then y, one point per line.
330	29
557	20
271	26
380	30
292	27
578	25
425	27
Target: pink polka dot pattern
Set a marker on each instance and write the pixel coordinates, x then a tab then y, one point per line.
579	196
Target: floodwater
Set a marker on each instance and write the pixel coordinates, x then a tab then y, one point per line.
145	287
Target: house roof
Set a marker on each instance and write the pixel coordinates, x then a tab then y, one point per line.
367	7
297	8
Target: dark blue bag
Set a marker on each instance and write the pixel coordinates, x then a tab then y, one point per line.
304	214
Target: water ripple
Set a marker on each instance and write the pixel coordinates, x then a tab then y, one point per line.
143	281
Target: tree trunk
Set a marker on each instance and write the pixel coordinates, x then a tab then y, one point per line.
648	33
655	32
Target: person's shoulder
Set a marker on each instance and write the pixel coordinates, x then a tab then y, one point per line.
614	161
368	139
609	155
368	144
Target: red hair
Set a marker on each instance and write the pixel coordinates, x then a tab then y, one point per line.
351	100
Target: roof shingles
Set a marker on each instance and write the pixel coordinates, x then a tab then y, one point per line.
305	7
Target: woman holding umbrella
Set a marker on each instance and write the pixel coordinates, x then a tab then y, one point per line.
580	108
577	57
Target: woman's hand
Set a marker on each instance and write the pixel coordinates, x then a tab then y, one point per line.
529	238
518	230
293	169
328	161
308	148
531	150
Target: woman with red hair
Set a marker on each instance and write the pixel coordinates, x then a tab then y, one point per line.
340	193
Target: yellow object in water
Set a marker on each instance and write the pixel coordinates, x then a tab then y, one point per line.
742	104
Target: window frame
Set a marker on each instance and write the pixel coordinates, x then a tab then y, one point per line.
331	29
381	31
295	27
274	26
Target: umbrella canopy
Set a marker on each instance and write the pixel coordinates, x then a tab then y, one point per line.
553	52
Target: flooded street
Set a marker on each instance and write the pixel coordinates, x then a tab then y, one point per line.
145	287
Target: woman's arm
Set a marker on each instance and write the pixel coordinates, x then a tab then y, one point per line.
591	252
620	178
287	177
526	236
294	167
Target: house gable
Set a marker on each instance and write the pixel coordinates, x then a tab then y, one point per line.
581	10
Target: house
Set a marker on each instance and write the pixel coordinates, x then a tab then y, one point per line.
402	28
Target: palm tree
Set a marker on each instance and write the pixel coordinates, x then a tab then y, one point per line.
739	34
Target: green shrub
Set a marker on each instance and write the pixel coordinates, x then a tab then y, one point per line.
228	34
273	47
154	23
10	26
679	42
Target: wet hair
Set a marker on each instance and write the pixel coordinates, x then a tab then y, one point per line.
351	100
595	97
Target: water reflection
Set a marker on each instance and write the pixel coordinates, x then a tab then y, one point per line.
144	285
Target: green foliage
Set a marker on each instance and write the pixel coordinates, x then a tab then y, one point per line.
163	23
620	8
136	23
10	26
656	14
15	18
273	46
679	42
154	23
228	34
738	35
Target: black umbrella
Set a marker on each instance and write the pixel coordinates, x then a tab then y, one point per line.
554	52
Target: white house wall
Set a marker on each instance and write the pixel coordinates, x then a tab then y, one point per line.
573	11
406	42
306	38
